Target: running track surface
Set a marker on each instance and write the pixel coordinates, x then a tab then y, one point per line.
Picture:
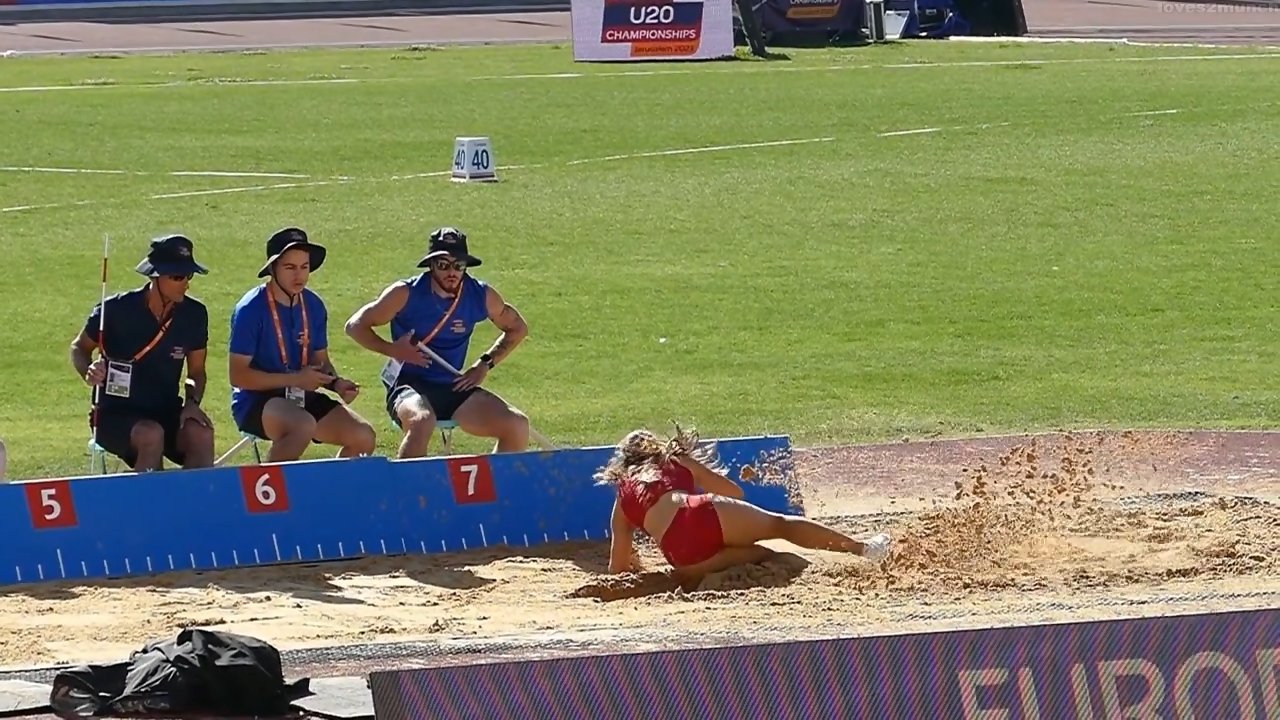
1232	22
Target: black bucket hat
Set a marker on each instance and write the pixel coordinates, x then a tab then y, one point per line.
448	242
289	239
170	255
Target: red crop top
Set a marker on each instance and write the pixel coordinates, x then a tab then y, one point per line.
637	497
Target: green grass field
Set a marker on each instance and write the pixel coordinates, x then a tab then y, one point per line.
1049	259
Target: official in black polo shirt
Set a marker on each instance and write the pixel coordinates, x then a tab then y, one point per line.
148	335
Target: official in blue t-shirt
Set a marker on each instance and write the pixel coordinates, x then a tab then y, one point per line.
279	346
143	338
441	308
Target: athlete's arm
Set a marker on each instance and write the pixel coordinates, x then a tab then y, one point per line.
504	315
360	325
197	375
619	541
243	376
82	355
709	480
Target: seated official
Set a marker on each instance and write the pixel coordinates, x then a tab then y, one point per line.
279	347
146	337
440	308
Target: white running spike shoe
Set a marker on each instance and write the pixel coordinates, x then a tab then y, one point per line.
876	548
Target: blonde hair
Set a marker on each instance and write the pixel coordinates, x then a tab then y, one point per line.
641	455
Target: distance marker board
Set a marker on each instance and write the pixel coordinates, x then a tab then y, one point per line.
238	516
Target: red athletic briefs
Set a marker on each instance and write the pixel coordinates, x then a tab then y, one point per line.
694	534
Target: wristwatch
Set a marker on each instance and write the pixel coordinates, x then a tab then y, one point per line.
487	359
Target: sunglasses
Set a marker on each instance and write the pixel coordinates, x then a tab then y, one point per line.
442	265
181	278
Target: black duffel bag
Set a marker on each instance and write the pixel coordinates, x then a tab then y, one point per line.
200	672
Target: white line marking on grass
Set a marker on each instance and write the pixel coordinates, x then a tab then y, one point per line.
437	173
19	208
249	188
890	66
919	131
988	126
211	82
421	175
1162	28
18	168
325	81
734	68
51	88
220	173
709	148
532	76
175	173
441	173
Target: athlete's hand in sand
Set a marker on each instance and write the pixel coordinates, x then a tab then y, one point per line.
747	472
631	565
687	578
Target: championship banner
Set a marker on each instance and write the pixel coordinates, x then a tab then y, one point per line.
629	30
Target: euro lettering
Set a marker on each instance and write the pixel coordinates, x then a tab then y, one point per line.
1130	688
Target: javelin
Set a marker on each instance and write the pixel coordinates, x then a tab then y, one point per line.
537	436
102	321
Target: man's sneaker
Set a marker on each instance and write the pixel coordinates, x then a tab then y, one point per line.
876	548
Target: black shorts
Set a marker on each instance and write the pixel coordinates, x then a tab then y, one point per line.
442	398
316	404
115	430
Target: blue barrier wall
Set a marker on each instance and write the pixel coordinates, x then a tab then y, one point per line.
120	525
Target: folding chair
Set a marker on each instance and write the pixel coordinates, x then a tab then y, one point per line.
245	439
97	458
446	428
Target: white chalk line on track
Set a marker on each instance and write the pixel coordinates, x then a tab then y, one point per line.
440	173
731	68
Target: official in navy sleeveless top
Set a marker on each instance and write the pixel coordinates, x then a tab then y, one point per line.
440	308
146	336
279	360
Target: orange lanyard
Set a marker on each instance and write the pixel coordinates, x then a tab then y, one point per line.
154	341
275	320
448	313
164	328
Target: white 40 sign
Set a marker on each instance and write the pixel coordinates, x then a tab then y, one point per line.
478	159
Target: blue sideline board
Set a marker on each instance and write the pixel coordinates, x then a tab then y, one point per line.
217	518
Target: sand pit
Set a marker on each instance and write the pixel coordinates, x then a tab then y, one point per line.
994	531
